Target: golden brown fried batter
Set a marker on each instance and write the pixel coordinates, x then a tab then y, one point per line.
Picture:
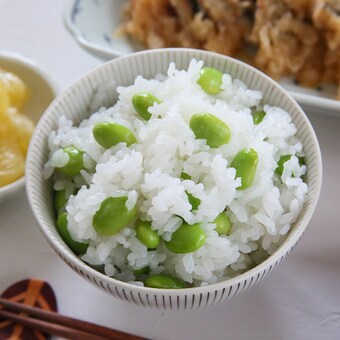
183	9
326	16
218	25
287	43
144	23
231	24
300	38
287	37
302	8
332	63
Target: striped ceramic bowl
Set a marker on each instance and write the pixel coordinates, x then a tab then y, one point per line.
75	103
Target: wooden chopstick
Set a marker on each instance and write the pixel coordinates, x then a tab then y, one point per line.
47	327
59	325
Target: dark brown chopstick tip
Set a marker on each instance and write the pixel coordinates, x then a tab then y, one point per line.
59	325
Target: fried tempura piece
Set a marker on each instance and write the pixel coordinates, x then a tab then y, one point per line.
287	44
326	16
183	9
332	73
311	72
144	23
301	8
217	25
231	22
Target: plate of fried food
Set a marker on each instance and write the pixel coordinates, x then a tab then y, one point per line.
296	43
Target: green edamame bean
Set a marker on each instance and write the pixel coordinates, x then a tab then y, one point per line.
77	247
186	239
142	271
98	267
301	160
164	281
75	162
245	163
59	200
194	201
185	175
147	235
223	224
258	116
108	134
142	101
283	159
210	80
213	130
112	216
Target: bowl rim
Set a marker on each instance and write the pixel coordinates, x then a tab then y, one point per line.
33	66
285	247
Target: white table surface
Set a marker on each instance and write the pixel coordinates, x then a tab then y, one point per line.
299	300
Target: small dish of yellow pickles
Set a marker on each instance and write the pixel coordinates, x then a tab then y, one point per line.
25	93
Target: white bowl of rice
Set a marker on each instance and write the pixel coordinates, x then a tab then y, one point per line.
163	168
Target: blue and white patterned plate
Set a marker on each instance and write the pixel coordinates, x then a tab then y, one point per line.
93	23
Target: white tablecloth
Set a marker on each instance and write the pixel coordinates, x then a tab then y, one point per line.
299	300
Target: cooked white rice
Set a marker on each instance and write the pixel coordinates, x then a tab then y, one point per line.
149	173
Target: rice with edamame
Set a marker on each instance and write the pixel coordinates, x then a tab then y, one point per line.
188	175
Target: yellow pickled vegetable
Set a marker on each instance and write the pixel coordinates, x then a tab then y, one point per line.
22	128
16	89
15	128
4	98
12	162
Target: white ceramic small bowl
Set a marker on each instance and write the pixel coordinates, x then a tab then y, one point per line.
74	104
42	91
